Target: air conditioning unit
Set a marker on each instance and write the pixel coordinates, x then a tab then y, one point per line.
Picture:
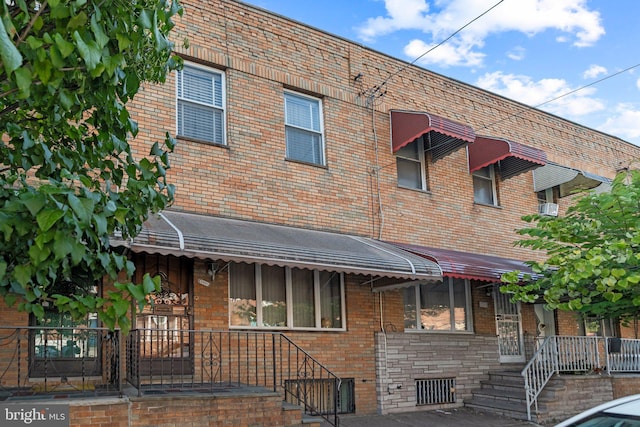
548	209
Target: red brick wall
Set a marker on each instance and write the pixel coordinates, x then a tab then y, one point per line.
264	54
567	323
238	410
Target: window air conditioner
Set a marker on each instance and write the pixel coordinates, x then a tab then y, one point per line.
548	209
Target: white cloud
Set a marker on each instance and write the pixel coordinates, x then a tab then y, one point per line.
571	18
624	123
445	55
594	71
517	53
402	15
638	83
538	93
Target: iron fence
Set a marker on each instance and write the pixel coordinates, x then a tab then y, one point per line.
161	360
569	354
39	360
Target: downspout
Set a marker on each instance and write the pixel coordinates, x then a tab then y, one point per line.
176	229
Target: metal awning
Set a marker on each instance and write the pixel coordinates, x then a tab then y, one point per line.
466	265
512	158
441	136
214	238
569	180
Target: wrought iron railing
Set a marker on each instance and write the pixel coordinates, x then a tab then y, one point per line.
41	360
565	354
161	360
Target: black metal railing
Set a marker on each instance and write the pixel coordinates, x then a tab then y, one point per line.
161	360
41	360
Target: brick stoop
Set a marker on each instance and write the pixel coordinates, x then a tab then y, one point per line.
503	393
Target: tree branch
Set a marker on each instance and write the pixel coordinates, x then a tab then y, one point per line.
27	29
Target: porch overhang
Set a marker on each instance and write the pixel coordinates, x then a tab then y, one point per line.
568	180
466	265
513	158
442	136
214	238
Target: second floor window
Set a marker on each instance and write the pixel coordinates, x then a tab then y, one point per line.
303	122
484	186
410	161
201	104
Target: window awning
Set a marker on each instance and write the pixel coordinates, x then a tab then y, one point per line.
466	265
569	180
513	158
214	238
441	136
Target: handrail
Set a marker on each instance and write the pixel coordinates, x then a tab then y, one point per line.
559	354
538	372
315	386
208	360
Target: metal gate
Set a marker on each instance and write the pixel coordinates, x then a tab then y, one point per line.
508	327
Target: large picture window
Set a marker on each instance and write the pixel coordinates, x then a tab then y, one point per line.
201	104
262	296
303	122
438	306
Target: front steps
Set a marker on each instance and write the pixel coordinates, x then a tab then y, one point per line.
503	393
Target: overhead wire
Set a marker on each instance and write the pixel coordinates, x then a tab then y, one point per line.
571	92
529	107
376	89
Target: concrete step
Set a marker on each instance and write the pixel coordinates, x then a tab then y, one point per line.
501	394
512	409
513	377
510	387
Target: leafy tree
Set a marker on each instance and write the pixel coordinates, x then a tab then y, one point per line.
68	178
593	254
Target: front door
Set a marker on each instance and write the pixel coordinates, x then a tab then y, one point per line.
164	327
508	327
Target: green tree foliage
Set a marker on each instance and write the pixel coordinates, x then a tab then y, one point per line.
593	254
68	178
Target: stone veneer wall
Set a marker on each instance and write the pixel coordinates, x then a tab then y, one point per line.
403	358
568	395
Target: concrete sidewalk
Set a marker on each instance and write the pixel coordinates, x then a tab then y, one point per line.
459	417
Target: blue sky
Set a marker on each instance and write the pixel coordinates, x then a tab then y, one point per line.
531	51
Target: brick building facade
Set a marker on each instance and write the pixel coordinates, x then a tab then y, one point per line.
283	125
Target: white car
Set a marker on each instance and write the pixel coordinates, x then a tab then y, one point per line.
623	412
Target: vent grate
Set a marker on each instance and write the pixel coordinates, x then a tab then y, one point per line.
435	391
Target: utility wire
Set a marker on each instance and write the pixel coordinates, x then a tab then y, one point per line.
531	107
377	88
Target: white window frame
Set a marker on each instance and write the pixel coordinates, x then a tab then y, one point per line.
492	179
606	327
420	160
318	132
221	107
289	302
468	308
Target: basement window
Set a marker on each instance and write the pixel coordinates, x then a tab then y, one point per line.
435	391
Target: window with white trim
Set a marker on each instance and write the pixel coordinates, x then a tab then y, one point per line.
303	128
484	186
410	162
595	327
201	104
438	306
264	296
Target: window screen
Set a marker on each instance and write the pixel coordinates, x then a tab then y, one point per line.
201	104
303	129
